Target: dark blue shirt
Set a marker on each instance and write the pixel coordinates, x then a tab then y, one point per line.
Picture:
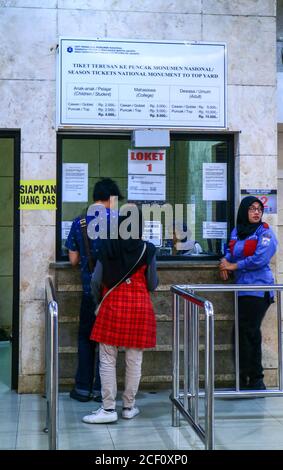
75	242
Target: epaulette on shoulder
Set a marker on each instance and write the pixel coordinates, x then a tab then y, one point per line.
265	225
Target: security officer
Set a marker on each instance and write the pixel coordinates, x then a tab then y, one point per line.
251	248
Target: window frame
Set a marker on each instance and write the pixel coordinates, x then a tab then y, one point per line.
174	136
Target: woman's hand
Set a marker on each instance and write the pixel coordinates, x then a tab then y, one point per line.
224	275
227	266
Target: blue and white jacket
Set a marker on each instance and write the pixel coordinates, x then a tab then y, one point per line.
253	255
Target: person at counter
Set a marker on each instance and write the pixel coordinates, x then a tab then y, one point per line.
183	245
83	251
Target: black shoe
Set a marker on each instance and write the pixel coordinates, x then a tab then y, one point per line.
257	384
77	396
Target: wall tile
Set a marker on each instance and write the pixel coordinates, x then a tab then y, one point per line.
38	166
29	3
129	25
258	171
30	106
28	42
280	202
37	251
252	111
280	152
239	7
31	384
166	6
32	336
250	47
39	218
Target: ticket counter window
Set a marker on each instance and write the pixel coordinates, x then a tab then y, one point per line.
197	175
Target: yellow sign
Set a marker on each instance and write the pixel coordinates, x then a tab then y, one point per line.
38	195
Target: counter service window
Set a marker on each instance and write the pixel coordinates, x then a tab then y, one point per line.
185	191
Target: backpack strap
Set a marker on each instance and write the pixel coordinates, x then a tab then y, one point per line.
83	225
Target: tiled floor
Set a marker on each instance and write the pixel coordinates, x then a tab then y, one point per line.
239	424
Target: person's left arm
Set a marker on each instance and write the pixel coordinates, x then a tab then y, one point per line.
73	245
266	248
74	257
151	275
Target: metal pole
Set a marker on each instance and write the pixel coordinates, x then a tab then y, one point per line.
209	376
186	353
191	354
176	359
46	361
236	340
196	383
53	424
279	326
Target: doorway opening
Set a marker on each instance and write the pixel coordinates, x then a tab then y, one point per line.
9	255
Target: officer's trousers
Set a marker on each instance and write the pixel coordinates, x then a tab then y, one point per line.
252	310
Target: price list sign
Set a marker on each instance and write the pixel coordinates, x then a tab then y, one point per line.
106	83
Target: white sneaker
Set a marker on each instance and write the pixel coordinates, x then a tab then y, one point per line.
101	416
129	413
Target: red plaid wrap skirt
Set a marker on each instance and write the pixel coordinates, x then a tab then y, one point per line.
126	317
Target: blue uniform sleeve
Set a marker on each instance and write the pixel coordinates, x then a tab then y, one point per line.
96	282
72	242
151	275
228	254
266	247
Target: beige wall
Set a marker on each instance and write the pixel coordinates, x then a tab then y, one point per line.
280	206
28	36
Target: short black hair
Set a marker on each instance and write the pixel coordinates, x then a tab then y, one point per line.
105	188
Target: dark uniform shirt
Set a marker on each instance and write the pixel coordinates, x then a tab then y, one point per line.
75	242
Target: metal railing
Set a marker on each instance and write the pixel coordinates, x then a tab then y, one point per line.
278	288
51	364
187	403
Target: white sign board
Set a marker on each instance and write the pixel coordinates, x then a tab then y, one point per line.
75	182
214	181
214	230
146	187
152	232
133	84
141	162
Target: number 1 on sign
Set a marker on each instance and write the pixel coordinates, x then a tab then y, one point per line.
149	166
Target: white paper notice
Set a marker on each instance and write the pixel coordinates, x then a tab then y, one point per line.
152	232
214	230
66	227
143	162
146	187
75	182
214	181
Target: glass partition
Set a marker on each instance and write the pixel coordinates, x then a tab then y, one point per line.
196	188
